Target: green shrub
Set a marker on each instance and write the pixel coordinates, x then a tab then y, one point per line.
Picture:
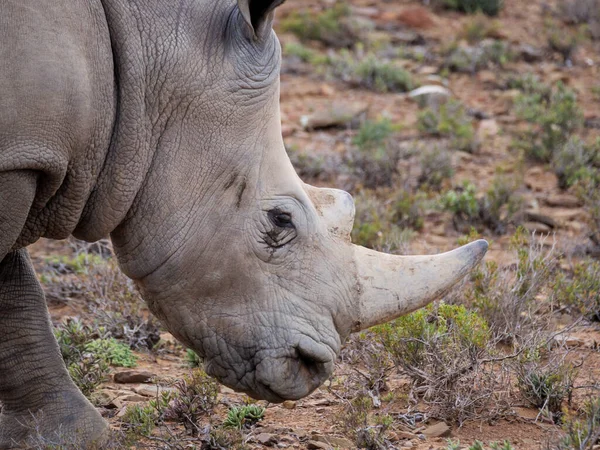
546	385
582	433
87	369
436	167
554	117
192	358
506	296
194	399
113	352
333	26
450	121
305	54
407	210
489	7
374	159
78	264
139	420
244	416
463	203
441	348
371	72
582	290
367	431
576	161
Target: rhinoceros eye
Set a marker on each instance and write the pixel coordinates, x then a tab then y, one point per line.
281	219
282	229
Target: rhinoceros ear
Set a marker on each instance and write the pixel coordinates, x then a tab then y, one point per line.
258	14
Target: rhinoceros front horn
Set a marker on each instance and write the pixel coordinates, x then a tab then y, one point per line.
391	286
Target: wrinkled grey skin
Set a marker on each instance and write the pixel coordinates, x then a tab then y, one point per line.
157	122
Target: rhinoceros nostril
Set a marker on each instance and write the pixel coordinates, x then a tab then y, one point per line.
314	357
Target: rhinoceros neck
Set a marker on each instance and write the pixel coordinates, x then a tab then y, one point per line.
133	141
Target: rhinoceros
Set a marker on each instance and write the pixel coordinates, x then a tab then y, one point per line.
157	122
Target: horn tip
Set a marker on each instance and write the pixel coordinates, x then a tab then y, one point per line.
479	248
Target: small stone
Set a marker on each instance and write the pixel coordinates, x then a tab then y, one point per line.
430	95
133	398
334	441
151	391
487	128
405	435
315	445
337	115
408	444
530	53
527	413
440	429
562	201
568	341
267	439
289	404
416	17
537	227
133	376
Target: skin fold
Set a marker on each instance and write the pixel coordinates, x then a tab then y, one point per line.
157	122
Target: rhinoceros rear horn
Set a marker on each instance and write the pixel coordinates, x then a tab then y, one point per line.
258	14
391	286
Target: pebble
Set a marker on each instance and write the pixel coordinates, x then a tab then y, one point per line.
439	429
133	376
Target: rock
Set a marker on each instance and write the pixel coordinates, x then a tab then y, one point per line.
338	114
487	128
530	53
133	376
133	398
527	413
536	227
266	439
416	17
151	391
289	404
407	37
440	429
408	444
315	445
541	218
334	441
405	435
568	341
562	201
430	95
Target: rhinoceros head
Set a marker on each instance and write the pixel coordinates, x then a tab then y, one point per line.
241	260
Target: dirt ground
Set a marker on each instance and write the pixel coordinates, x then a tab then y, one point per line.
304	90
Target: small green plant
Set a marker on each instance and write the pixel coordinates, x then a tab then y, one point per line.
374	157
223	438
408	210
195	398
78	264
582	290
463	203
244	416
479	28
506	297
582	433
450	121
139	420
489	7
576	161
112	351
440	348
553	117
306	54
546	385
87	369
333	26
371	72
368	432
436	167
192	358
